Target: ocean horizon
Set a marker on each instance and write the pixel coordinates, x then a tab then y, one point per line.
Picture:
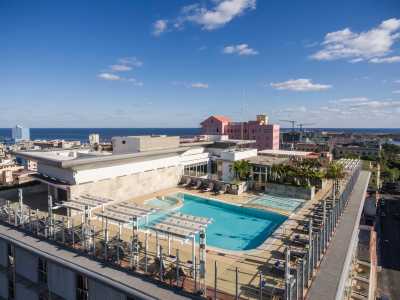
106	134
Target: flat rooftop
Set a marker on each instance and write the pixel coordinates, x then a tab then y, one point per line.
64	159
267	160
284	152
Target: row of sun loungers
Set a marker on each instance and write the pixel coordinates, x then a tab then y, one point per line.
204	186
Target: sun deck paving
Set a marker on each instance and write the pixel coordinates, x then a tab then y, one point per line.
330	271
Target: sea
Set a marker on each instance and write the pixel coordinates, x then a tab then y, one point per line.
82	134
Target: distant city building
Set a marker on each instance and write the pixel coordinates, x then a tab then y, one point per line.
62	144
20	133
362	151
314	147
94	139
266	135
2	152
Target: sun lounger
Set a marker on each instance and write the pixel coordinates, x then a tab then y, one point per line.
209	188
187	182
196	185
223	189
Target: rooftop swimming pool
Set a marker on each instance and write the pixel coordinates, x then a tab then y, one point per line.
233	227
163	203
276	202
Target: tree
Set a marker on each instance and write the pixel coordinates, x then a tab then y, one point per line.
335	172
241	168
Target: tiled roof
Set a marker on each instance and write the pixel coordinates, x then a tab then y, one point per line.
222	118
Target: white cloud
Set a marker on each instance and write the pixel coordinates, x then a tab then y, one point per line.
373	45
135	81
350	100
120	68
194	85
222	13
365	106
159	27
396	92
241	49
108	76
130	61
300	85
387	60
347	112
209	18
376	104
124	64
397	81
199	85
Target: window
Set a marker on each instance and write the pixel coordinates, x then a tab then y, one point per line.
213	167
263	177
197	170
82	287
42	270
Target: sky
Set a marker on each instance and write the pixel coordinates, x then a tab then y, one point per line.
173	63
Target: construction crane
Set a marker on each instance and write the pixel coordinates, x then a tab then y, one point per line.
301	129
301	125
293	122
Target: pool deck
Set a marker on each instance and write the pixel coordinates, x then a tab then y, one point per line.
250	262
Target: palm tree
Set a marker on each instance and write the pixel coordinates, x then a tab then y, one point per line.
335	172
241	169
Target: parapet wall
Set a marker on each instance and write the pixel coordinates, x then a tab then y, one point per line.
290	191
129	186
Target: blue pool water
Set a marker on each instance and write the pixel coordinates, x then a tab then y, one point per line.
282	203
164	203
233	227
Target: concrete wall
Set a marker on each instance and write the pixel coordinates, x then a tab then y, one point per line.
62	281
194	156
290	191
125	187
99	291
238	155
133	144
26	264
3	253
90	175
3	285
66	175
23	292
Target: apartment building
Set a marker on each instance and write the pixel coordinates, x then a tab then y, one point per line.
266	135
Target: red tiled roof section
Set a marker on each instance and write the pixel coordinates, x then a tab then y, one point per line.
222	119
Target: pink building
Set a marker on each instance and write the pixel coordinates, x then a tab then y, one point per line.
266	135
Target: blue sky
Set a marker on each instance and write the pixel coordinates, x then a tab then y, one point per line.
173	63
